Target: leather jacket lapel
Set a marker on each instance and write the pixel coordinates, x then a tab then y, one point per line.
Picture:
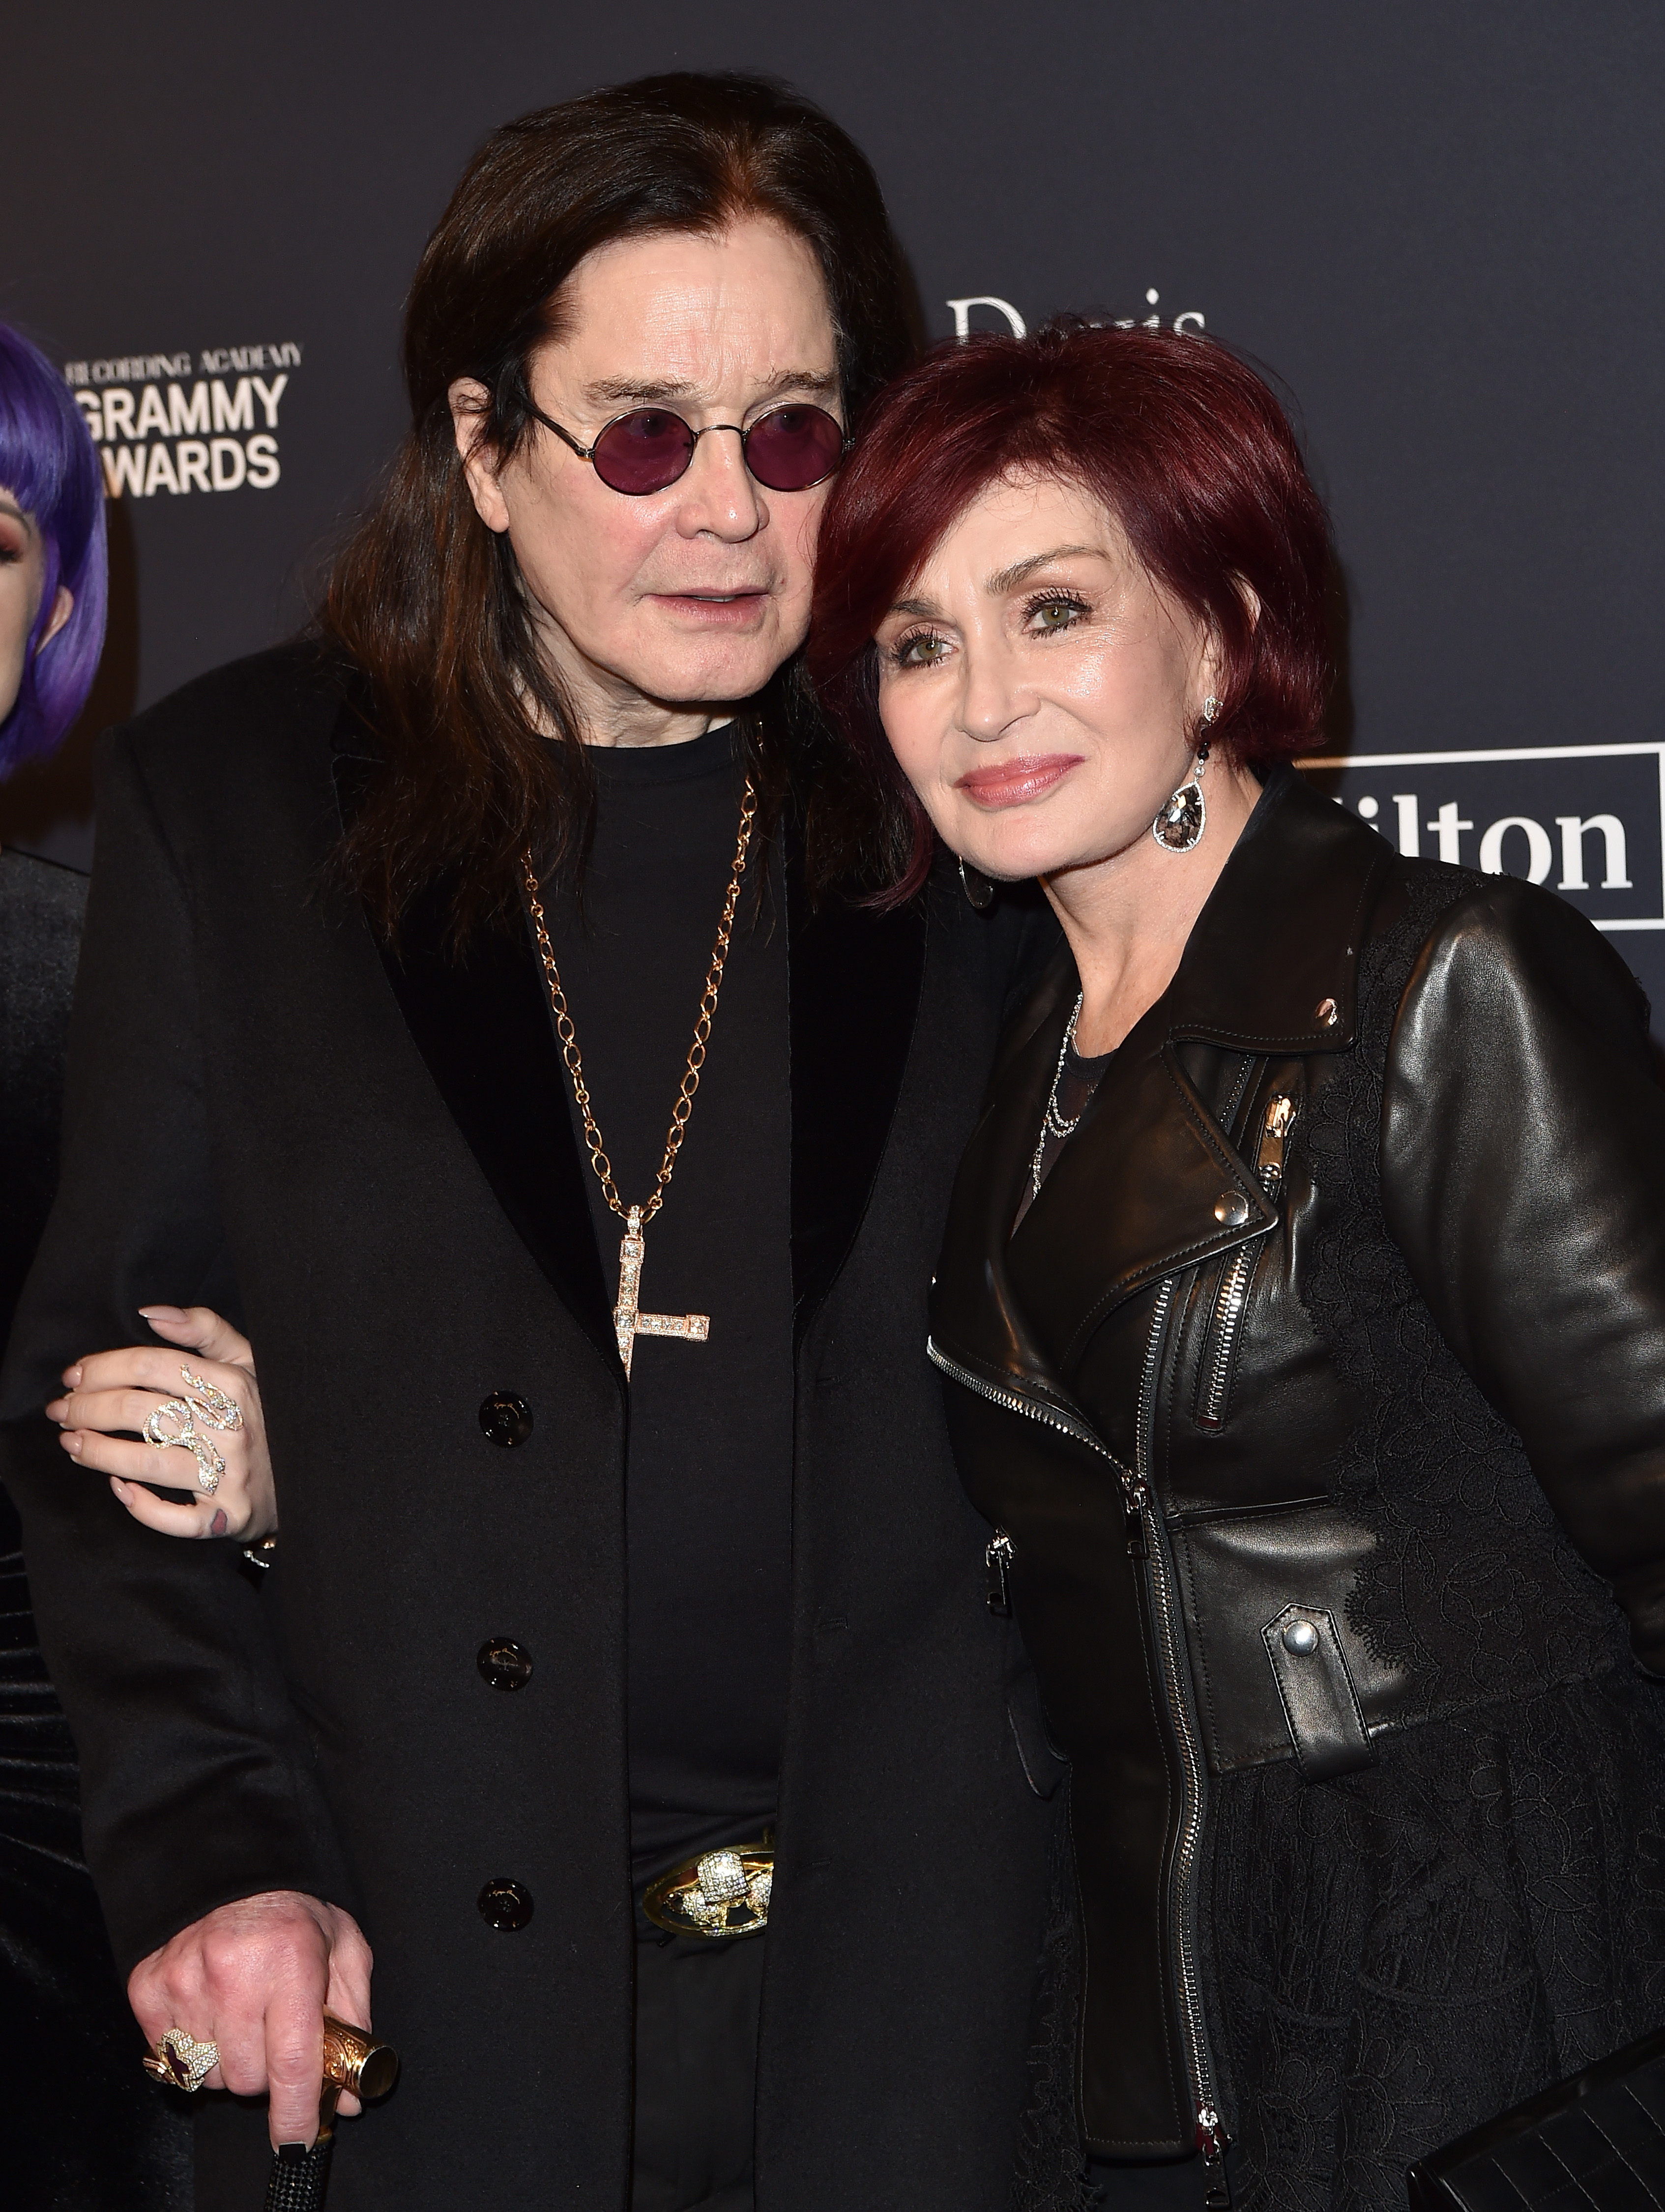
482	1026
1026	1304
1148	1164
856	978
1148	1158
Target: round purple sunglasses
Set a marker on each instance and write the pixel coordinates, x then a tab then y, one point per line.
791	448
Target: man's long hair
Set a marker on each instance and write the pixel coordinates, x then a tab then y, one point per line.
427	603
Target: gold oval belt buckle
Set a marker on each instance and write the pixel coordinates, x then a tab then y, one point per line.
719	1893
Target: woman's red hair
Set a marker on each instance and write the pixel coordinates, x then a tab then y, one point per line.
1185	446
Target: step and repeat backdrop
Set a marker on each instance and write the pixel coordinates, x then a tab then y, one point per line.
1441	227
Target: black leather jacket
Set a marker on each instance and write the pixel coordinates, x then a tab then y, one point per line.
1377	1090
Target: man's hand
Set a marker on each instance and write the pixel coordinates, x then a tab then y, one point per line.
255	1978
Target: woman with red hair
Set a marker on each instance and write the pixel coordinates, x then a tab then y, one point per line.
1302	1306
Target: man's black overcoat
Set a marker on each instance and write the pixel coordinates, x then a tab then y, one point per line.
370	1164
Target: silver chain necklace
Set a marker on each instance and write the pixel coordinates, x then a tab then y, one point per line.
1052	1123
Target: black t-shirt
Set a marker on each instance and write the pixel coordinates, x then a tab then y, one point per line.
1078	1079
710	1470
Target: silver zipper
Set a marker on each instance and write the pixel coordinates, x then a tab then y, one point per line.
1231	1299
1225	1322
1211	2135
1052	1417
1136	1487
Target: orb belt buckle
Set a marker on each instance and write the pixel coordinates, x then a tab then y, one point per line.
719	1893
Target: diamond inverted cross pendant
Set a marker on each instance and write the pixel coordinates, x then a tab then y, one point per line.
629	1321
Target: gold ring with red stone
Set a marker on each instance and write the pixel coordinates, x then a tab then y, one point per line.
182	2062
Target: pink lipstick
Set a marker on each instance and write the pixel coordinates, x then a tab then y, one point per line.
1013	782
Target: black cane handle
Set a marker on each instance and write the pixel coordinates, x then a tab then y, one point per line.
300	2172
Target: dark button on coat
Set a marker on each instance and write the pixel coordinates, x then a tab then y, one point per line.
504	1665
505	1418
504	1904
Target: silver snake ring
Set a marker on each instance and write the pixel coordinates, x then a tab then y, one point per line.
206	1403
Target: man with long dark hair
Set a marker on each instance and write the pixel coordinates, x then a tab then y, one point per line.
478	1006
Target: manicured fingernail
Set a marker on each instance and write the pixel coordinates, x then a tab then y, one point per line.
70	1440
71	1378
162	1313
55	1411
118	1485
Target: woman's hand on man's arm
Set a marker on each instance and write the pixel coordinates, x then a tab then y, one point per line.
111	1392
255	1978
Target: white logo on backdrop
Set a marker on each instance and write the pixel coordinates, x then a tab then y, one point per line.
1596	833
960	310
179	423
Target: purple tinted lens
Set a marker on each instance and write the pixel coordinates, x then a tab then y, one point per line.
791	448
643	452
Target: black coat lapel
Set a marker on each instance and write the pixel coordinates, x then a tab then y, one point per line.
856	978
483	1025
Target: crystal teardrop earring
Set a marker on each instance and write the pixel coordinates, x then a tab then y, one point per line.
1183	815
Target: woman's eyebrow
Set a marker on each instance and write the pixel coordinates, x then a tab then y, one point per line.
1004	579
925	609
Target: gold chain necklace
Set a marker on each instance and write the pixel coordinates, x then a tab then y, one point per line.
628	1319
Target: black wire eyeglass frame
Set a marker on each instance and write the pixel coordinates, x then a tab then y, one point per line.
821	448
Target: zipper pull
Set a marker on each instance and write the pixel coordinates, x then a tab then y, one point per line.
1269	1164
1211	2142
1136	1497
997	1559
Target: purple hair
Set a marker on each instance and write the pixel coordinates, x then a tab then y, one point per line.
50	466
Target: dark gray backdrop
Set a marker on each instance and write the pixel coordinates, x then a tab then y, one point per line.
1441	226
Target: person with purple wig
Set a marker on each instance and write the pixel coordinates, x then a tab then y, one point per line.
83	2132
52	555
52	599
53	596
